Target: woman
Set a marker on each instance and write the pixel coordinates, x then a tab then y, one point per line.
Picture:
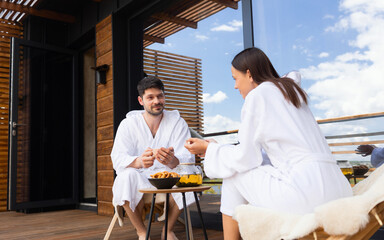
301	173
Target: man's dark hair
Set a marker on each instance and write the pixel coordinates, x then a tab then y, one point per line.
149	82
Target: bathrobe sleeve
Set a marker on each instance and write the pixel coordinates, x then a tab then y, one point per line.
123	151
223	161
377	157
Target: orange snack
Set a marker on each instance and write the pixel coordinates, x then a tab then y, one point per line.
165	174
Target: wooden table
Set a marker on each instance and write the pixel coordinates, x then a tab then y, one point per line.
181	190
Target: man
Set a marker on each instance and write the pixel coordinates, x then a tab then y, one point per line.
377	154
148	141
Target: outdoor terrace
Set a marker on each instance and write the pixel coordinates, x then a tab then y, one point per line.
85	224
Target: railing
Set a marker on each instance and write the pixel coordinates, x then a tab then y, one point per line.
334	144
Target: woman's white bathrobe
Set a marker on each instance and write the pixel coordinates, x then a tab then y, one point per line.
133	137
302	173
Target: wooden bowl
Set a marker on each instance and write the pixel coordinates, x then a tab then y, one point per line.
163	183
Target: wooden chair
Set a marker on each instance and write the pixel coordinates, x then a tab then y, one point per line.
119	212
159	209
353	218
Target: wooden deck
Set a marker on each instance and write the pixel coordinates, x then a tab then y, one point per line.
82	224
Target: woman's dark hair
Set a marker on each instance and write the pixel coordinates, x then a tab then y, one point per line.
262	70
149	82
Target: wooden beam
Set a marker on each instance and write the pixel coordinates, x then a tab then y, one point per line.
10	30
227	3
174	19
151	38
37	12
353	117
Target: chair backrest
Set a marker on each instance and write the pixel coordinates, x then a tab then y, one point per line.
362	186
345	216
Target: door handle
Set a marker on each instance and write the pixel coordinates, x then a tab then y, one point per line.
15	124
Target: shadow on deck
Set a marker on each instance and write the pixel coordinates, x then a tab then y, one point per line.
81	224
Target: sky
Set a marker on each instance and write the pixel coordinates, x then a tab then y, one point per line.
337	46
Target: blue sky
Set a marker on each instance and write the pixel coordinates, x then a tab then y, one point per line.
337	46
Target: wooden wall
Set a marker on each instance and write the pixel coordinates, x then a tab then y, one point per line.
183	83
8	30
104	119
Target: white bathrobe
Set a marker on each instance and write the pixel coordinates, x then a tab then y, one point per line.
302	173
133	137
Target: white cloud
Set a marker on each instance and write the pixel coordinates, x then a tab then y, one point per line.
236	23
220	123
328	16
352	82
323	55
201	37
303	50
215	98
232	26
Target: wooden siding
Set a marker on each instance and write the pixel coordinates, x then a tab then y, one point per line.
104	118
7	30
182	78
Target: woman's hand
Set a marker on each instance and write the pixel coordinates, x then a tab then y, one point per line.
196	146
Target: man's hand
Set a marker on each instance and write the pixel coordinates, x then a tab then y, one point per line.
365	150
146	159
167	157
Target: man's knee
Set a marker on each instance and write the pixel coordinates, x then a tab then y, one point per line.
129	174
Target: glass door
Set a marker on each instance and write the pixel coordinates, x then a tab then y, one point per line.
43	127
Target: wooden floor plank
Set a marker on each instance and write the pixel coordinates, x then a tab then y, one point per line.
78	224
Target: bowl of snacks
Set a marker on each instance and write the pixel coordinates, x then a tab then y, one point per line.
164	180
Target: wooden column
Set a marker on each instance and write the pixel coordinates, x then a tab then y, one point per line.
104	118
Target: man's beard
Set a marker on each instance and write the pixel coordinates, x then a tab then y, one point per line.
154	112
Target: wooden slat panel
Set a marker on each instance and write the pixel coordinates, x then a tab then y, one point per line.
105	208
181	76
105	59
104	118
174	68
104	193
172	72
172	55
104	147
105	133
105	90
103	34
356	143
159	56
103	23
104	47
104	163
104	96
105	104
353	117
105	178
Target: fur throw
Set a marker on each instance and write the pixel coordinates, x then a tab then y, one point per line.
345	216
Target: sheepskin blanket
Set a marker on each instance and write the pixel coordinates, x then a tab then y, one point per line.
345	216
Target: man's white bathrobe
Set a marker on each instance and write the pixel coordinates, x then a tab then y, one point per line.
301	174
133	137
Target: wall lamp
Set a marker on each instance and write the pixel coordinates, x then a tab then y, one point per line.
101	73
